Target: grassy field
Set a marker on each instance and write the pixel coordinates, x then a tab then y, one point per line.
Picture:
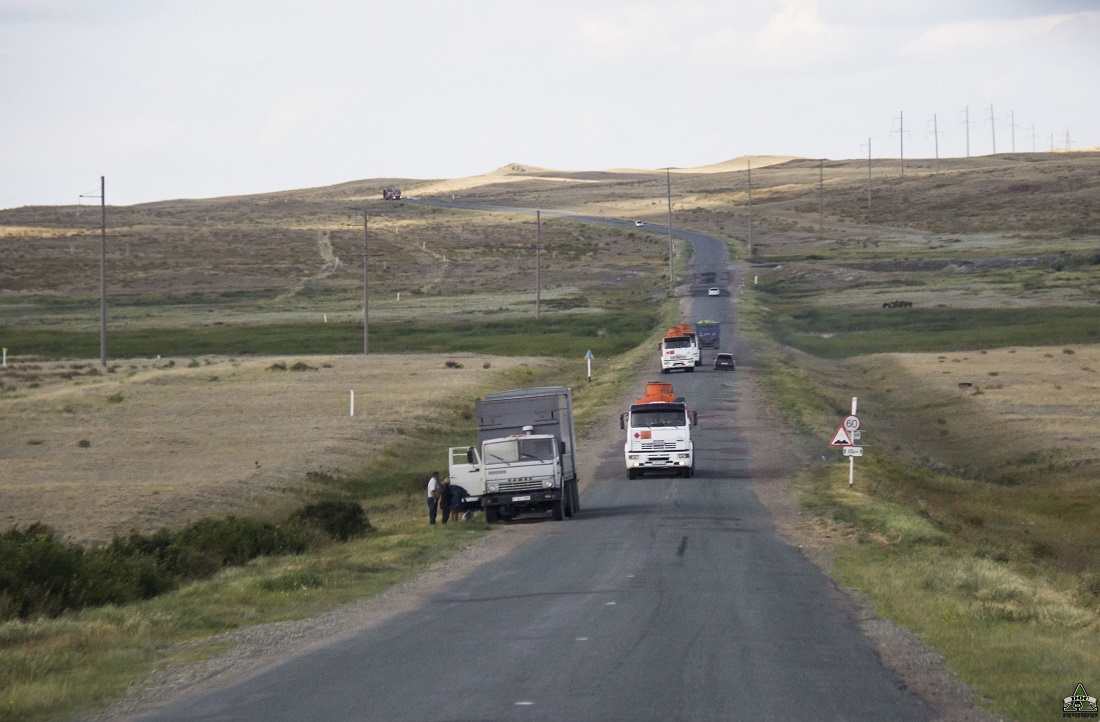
971	519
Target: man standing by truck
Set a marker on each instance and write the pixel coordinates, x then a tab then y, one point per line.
433	497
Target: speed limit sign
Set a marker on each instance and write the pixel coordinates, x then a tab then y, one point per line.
851	423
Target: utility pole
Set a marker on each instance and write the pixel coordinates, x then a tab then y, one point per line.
366	316
671	263
868	179
936	135
967	123
993	127
1033	138
901	136
103	268
821	201
1068	142
1052	142
750	207
1012	127
538	264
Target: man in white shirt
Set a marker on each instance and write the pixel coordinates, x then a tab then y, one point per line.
433	497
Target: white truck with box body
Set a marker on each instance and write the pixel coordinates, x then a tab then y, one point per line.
526	457
658	433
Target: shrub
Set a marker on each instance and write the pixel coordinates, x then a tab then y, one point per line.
341	520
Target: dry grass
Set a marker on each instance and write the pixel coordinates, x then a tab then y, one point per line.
170	444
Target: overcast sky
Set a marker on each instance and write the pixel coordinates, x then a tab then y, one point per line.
201	98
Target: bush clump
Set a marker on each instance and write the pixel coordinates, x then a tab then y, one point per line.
42	575
341	520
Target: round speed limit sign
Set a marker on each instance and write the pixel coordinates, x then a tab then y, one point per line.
851	423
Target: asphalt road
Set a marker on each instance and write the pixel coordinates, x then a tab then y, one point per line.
664	599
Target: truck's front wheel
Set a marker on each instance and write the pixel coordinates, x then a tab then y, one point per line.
558	508
491	515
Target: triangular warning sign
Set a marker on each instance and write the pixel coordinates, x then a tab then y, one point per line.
841	438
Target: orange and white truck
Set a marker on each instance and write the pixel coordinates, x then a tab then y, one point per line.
658	433
680	349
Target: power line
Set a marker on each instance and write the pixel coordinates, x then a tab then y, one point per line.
103	268
868	178
993	127
901	137
936	133
1012	125
967	122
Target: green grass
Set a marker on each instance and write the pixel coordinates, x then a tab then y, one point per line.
606	334
841	332
986	575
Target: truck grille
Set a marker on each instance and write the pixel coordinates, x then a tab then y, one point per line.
658	446
520	485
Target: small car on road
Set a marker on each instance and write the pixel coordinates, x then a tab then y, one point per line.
639	224
724	361
715	291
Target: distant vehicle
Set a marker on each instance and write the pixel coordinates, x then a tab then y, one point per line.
714	291
391	193
639	224
708	333
724	361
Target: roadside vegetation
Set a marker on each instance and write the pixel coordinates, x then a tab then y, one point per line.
972	513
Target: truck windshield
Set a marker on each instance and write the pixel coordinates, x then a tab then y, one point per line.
514	450
657	418
678	342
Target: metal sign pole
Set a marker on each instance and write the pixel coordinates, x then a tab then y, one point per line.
852	459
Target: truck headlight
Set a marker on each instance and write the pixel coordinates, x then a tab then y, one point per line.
493	488
547	483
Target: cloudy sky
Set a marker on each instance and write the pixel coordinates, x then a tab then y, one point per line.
200	98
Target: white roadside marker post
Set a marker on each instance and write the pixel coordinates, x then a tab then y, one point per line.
353	402
588	357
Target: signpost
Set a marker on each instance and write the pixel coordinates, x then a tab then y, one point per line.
588	357
845	436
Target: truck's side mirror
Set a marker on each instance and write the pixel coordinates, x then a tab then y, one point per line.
470	455
622	421
694	418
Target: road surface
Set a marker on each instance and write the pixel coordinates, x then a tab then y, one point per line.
664	599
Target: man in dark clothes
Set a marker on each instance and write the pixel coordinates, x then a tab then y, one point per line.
457	494
445	499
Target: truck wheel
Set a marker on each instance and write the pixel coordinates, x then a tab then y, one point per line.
567	502
664	371
690	369
576	497
491	515
558	508
631	474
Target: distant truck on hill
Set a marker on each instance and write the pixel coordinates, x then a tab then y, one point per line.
391	193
